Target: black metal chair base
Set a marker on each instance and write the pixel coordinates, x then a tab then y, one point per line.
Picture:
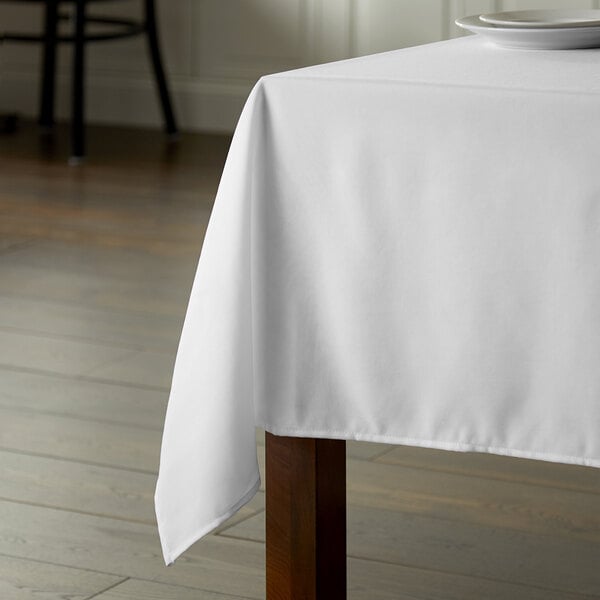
8	123
121	28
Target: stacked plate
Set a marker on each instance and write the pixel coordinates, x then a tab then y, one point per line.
538	29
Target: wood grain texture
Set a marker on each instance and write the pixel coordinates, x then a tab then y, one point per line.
134	589
486	502
305	518
91	290
144	266
10	242
78	487
502	468
108	224
372	580
254	507
89	489
501	555
55	394
22	579
139	368
457	497
133	331
128	550
68	357
105	444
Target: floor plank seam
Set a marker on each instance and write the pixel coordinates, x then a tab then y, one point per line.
68	415
80	462
17	246
134	578
482	476
441	571
77	511
86	307
195	589
376	457
125	384
107	363
240	538
406	514
583	595
57	564
221	532
520	530
110	587
49	335
149	242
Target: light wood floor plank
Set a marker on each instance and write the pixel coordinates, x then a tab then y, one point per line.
134	589
456	497
367	581
89	489
107	263
502	468
137	331
487	502
104	444
116	222
50	354
79	487
67	396
370	580
10	242
463	549
128	549
22	579
365	450
85	289
138	368
254	507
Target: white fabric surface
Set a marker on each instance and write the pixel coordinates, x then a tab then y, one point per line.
404	248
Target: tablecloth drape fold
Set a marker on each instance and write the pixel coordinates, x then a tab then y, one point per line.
208	466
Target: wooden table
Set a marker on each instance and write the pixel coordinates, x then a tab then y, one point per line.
381	278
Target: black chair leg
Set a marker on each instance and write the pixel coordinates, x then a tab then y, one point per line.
46	117
159	73
78	91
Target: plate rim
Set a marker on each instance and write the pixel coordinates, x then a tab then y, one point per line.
527	38
473	22
490	18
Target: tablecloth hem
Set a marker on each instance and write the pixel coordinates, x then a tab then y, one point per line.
434	444
171	555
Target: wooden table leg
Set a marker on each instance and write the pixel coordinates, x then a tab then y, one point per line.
306	518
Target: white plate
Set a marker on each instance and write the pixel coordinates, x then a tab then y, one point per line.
545	18
561	38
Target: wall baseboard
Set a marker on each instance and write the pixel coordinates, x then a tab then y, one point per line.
118	100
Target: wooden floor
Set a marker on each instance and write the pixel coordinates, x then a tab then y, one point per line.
96	264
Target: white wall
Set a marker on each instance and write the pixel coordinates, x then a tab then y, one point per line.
216	49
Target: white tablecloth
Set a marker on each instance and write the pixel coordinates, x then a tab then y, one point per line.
404	248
